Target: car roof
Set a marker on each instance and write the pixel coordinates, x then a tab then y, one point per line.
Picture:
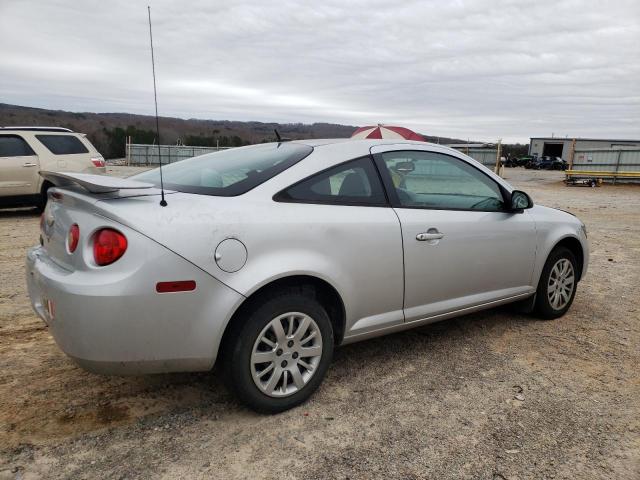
37	129
359	147
367	142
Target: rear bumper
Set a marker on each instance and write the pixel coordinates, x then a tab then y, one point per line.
118	324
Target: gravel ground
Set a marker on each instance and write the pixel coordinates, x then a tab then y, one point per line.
493	395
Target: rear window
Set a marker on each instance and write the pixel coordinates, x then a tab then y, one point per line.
229	172
14	146
62	144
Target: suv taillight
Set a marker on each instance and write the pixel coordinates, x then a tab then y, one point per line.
98	162
73	237
108	246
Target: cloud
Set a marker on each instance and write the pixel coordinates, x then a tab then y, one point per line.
478	69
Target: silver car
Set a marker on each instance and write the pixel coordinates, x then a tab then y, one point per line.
267	257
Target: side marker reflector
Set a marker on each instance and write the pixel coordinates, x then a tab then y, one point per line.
177	286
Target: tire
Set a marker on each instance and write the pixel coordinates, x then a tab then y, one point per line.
549	306
42	200
285	352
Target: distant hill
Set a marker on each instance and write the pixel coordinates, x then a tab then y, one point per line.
107	131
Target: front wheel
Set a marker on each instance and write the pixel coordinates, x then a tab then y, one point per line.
557	285
278	356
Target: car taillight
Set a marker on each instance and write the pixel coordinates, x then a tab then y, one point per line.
108	246
98	162
73	237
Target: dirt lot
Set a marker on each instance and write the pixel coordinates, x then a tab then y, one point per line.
494	395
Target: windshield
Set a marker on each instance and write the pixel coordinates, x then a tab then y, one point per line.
229	172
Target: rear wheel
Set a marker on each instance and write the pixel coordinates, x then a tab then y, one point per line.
279	355
557	285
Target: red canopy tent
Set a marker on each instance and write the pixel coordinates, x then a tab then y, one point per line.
386	131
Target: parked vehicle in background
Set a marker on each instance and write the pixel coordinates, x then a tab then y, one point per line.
522	160
534	163
24	151
269	256
558	164
547	163
518	161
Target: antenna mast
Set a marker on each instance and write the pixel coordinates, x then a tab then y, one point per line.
163	202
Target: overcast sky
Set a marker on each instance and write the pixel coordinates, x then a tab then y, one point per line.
469	69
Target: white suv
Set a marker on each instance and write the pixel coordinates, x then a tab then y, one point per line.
24	151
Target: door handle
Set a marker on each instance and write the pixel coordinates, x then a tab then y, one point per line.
430	235
29	164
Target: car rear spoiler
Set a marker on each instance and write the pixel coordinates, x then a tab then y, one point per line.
93	183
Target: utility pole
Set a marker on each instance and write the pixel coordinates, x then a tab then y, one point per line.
128	149
572	152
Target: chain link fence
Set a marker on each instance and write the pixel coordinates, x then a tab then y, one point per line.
140	154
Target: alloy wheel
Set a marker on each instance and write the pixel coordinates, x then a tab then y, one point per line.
561	284
286	354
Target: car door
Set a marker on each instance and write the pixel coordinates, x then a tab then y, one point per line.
343	213
18	167
461	247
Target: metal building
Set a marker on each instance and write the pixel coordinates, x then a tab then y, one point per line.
562	147
485	153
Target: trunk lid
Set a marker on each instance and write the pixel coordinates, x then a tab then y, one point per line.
191	225
74	201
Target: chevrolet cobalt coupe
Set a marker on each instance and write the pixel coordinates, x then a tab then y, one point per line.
267	257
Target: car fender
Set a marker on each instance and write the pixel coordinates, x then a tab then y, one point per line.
552	227
274	276
273	265
283	275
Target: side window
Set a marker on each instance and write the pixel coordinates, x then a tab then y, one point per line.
435	180
351	183
14	146
62	144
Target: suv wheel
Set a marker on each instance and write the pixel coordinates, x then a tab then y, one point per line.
557	285
42	201
279	355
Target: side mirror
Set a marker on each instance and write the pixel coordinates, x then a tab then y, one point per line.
520	201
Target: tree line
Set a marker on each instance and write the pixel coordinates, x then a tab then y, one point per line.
112	141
